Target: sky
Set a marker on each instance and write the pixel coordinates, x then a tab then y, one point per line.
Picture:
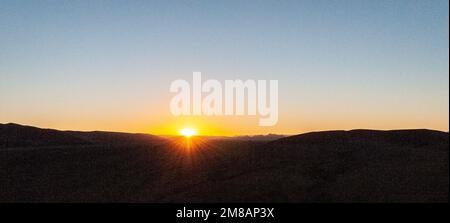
108	65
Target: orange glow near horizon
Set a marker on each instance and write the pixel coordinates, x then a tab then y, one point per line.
291	121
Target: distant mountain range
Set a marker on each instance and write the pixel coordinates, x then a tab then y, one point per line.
260	138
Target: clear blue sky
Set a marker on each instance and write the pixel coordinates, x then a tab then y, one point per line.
340	64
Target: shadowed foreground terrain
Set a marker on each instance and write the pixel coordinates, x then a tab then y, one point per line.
332	166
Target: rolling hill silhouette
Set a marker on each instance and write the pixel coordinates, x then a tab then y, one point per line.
413	137
370	165
329	166
15	135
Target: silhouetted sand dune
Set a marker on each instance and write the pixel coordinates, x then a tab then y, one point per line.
414	137
330	166
116	138
370	165
14	135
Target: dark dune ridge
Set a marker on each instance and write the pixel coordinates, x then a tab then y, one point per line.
14	135
332	166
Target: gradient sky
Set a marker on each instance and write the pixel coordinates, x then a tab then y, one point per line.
108	65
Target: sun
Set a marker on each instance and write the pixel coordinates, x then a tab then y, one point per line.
188	132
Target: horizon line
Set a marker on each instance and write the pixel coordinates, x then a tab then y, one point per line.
244	135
